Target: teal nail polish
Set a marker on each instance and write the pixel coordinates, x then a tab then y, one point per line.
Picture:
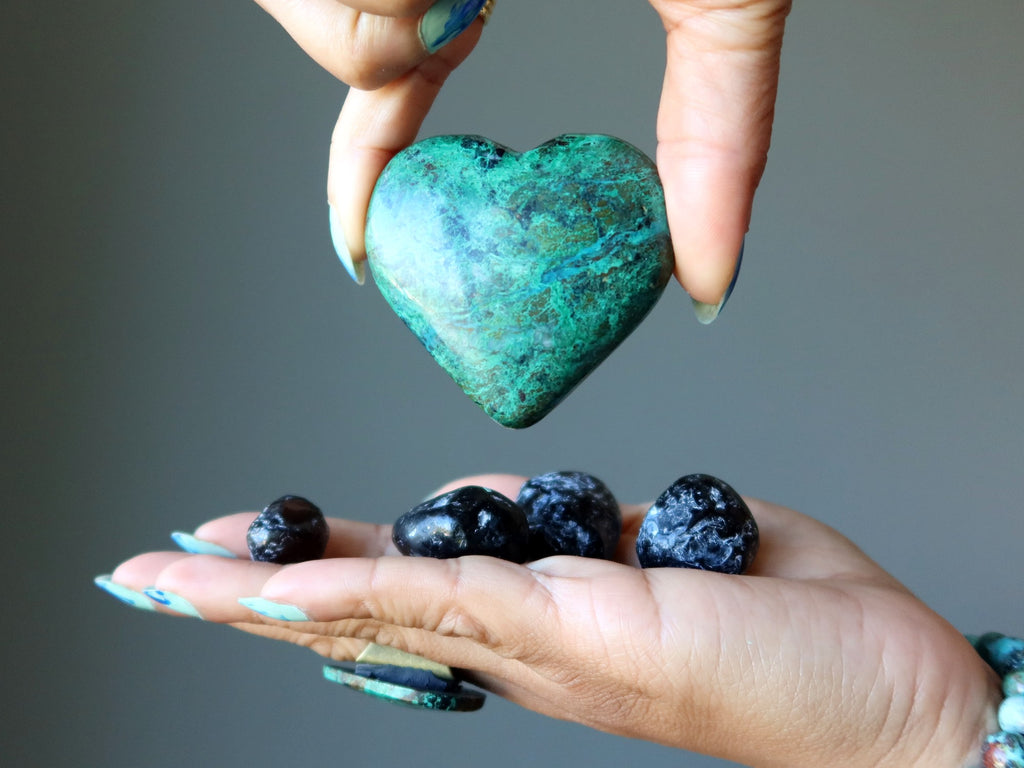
707	313
172	601
446	20
125	595
272	610
194	546
356	271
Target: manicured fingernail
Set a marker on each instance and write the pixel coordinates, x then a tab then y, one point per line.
125	595
172	601
194	546
446	20
356	271
272	610
706	313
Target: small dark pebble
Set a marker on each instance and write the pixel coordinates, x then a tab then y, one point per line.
699	522
290	530
410	677
570	513
467	521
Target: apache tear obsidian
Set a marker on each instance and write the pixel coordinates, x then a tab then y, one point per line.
570	513
467	521
698	522
290	530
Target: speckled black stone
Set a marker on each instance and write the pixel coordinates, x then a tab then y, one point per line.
698	522
570	513
290	530
467	521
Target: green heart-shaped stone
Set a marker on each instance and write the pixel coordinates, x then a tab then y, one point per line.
519	273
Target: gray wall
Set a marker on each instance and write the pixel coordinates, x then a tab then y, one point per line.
180	342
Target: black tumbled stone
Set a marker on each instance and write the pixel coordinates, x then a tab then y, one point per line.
698	522
467	521
290	530
570	513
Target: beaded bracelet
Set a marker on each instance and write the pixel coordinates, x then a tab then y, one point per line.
1005	747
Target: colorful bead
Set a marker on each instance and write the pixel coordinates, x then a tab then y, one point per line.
1011	714
1004	654
1003	750
1013	684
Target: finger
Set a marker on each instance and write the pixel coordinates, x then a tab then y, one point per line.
714	128
481	599
328	646
369	49
507	485
203	586
372	128
348	538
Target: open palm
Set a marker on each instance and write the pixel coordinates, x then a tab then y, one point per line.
816	657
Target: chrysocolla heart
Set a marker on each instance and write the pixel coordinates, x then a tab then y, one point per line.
519	272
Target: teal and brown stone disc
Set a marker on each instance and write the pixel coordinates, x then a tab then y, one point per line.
460	700
519	272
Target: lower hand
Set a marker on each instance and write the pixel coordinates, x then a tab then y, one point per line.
815	657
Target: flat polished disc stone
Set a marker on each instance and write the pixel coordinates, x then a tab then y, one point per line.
460	700
519	272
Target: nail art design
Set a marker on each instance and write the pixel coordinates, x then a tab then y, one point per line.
446	20
125	595
194	546
272	610
707	313
357	271
172	601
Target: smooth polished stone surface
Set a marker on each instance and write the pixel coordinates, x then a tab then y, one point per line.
570	513
460	700
467	521
1013	684
519	273
1011	714
1004	654
699	522
290	529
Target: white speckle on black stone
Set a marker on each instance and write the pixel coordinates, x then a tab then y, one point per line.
467	521
290	529
570	513
699	522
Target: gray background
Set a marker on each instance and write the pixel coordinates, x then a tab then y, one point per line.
179	342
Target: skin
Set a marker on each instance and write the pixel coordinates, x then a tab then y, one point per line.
714	121
816	657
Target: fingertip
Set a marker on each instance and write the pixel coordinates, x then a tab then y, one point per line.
708	313
708	213
356	269
507	485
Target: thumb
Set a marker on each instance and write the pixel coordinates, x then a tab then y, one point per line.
714	128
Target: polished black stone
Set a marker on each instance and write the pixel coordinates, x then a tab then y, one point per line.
698	522
467	521
290	530
570	513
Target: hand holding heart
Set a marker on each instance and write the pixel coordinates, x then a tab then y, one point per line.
714	123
